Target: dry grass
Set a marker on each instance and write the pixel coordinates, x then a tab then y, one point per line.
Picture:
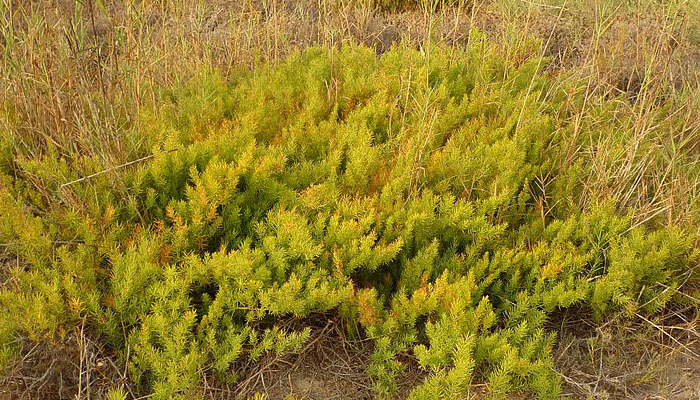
329	366
76	75
630	359
75	367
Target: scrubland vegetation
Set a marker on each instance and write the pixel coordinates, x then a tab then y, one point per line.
389	199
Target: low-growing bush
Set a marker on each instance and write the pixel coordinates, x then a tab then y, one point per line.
402	193
405	5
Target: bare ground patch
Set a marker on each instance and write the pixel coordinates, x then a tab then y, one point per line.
74	367
639	359
329	366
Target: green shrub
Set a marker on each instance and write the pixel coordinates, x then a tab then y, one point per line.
404	5
397	192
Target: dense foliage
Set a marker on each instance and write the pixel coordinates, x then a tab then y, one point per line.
405	194
403	5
